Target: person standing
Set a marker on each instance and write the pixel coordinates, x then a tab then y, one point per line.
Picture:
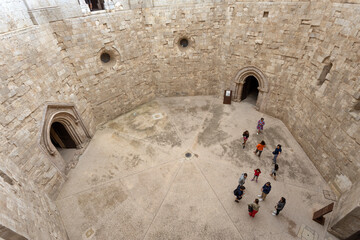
239	193
256	174
245	137
260	126
253	207
242	179
273	172
276	153
265	190
260	147
279	206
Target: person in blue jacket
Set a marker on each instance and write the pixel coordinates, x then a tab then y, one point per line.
239	193
276	153
265	191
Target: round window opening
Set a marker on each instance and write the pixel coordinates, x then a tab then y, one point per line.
105	57
184	42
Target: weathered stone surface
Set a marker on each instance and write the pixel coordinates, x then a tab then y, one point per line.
50	53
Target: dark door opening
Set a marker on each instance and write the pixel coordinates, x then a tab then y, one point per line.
60	137
97	5
250	89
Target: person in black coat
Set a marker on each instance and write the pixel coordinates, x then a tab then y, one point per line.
279	206
239	193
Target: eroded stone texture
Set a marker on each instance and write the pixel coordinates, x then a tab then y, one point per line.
51	53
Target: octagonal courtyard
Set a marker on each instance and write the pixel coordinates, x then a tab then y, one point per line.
134	180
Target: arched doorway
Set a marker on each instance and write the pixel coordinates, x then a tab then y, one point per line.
251	83
62	141
250	90
63	135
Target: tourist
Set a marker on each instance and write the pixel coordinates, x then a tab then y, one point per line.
260	148
253	207
239	193
242	179
273	172
280	206
256	174
276	153
245	137
260	126
265	191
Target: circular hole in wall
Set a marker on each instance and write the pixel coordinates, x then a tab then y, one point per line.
105	57
184	42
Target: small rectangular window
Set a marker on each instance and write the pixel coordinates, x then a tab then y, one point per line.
6	178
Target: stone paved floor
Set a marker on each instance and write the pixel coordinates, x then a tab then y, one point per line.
134	182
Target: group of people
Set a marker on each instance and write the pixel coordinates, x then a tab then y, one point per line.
239	192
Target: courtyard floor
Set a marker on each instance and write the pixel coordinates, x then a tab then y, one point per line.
134	181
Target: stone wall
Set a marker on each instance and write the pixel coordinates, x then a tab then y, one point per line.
24	209
32	72
123	83
292	43
13	15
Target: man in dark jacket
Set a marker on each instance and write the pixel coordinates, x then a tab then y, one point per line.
239	193
276	153
265	191
280	206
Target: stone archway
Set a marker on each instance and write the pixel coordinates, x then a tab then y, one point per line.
63	116
240	79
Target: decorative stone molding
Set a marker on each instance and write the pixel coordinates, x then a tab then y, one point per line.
113	60
240	81
188	37
68	116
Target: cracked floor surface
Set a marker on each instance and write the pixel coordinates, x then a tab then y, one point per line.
134	181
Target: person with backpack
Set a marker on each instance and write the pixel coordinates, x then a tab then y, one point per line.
245	137
242	179
239	193
276	153
279	206
265	190
275	169
256	174
253	208
260	148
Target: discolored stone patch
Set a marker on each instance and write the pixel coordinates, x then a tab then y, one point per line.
94	204
212	133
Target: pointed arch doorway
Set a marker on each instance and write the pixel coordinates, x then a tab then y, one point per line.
251	85
64	135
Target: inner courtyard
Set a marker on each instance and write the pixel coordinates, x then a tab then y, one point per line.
134	180
124	119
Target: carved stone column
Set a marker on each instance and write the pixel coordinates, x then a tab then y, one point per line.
239	93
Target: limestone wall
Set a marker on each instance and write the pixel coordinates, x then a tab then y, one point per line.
13	15
123	83
290	42
24	209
